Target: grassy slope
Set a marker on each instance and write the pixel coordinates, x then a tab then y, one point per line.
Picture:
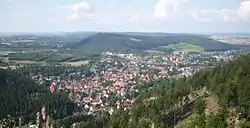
125	42
30	56
185	47
211	107
59	57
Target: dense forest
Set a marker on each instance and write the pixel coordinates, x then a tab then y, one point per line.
21	97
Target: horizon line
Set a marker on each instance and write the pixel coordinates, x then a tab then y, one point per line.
146	32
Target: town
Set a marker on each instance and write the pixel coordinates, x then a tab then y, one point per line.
111	81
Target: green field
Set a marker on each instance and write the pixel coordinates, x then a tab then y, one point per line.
30	56
59	57
49	56
182	47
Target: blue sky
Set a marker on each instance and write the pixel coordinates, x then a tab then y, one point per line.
177	16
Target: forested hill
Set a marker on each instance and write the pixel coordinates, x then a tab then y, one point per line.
21	97
222	99
128	42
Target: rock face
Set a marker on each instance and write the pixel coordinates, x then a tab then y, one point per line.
42	120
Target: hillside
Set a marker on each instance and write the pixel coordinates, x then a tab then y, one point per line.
21	97
132	42
216	98
182	47
105	42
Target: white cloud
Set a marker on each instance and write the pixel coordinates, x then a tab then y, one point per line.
168	8
166	14
244	10
213	15
229	15
73	16
78	9
9	1
21	14
226	15
161	9
239	14
83	12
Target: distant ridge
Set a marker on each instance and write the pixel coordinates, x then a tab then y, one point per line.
140	42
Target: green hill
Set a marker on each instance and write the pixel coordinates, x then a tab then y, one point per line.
139	42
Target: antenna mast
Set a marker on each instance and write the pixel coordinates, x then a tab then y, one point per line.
110	48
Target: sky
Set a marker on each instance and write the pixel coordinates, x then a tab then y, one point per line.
172	16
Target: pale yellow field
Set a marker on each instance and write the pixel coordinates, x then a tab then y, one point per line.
24	62
12	67
237	40
78	63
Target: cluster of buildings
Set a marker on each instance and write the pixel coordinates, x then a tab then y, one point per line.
114	80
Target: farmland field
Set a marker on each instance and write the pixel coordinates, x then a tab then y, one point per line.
39	56
182	47
59	57
24	62
77	63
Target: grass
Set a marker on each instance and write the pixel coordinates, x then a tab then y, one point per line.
24	62
23	56
212	105
59	57
189	122
11	67
41	56
15	49
37	56
22	41
77	63
183	47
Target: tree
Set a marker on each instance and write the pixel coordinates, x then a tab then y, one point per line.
144	123
200	111
217	120
27	98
